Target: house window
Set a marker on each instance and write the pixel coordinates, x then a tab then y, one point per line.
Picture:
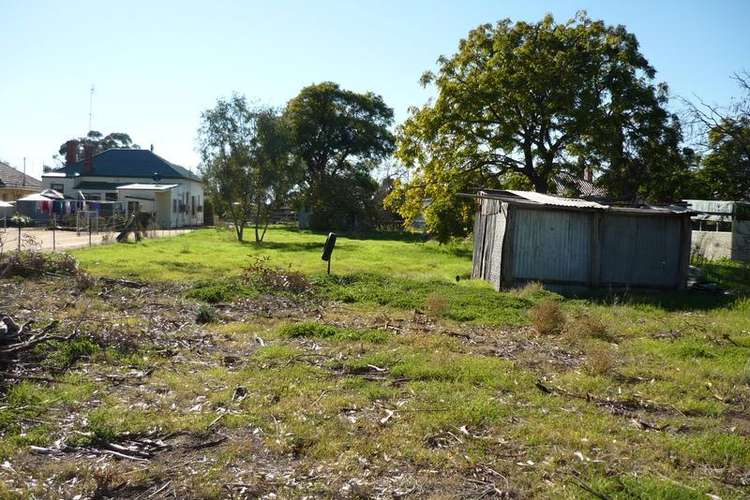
174	205
110	196
60	188
192	205
93	196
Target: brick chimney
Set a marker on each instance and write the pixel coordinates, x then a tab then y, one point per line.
588	174
88	159
70	152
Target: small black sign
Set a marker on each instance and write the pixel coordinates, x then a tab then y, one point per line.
328	247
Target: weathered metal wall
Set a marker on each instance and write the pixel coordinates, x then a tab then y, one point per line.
500	215
489	232
514	244
640	250
551	245
741	240
712	244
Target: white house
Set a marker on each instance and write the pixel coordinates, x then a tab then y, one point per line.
136	179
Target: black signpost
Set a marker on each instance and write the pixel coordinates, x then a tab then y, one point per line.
328	249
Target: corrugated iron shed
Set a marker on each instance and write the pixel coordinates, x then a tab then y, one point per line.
522	236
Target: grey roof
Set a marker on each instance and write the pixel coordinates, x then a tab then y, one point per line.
129	163
531	198
10	177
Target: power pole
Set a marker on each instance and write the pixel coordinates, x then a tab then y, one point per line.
23	182
91	106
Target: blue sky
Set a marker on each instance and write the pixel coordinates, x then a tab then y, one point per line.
156	65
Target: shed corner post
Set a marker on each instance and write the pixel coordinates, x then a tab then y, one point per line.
596	250
505	279
685	243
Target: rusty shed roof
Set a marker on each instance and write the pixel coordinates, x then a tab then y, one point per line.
547	200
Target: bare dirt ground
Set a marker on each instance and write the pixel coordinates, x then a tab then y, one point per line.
147	400
44	239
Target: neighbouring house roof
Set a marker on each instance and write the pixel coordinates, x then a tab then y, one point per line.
539	199
5	204
148	187
97	186
46	195
129	163
10	177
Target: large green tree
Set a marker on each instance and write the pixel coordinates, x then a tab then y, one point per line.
723	138
725	169
99	142
340	136
536	100
248	165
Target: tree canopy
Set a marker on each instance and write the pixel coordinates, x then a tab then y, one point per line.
339	135
100	142
724	142
529	101
248	166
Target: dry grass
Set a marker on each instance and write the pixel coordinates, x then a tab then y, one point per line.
584	326
547	317
600	360
529	290
436	305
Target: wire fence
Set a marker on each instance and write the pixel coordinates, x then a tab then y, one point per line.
51	234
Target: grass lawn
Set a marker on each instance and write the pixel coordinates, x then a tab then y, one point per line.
388	379
206	253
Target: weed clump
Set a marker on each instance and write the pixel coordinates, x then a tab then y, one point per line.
205	314
547	317
531	290
265	277
600	360
311	329
33	263
436	305
584	326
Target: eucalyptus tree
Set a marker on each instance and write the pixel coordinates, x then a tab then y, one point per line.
340	136
521	103
247	162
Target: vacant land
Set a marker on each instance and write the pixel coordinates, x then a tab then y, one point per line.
218	369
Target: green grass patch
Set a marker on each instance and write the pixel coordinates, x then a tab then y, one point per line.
313	329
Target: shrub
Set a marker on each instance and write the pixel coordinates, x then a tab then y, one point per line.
600	360
265	277
585	326
33	263
84	281
547	317
205	314
436	305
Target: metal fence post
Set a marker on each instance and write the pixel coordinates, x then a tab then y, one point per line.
19	236
89	231
54	227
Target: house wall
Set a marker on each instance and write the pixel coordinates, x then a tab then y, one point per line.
188	192
12	193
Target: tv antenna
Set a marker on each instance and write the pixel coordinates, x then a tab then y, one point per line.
91	106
